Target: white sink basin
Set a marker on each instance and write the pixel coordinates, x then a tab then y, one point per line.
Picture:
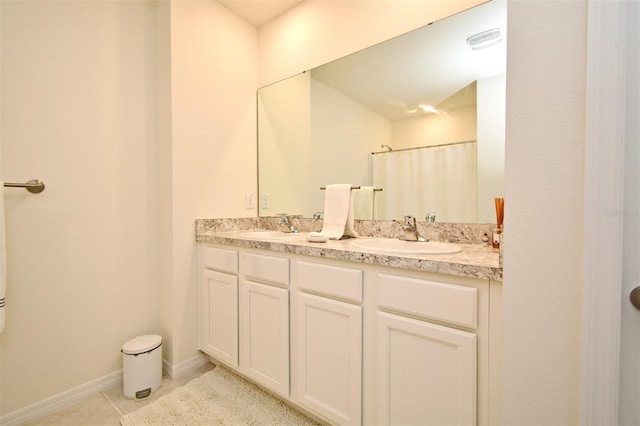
396	246
273	235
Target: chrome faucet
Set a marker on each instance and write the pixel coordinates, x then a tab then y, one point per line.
410	229
285	220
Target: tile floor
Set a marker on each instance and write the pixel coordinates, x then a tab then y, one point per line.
105	408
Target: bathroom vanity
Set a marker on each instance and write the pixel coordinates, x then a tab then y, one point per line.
351	336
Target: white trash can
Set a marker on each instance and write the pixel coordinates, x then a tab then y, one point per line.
142	366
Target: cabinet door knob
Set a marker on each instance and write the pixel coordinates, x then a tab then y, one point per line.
634	297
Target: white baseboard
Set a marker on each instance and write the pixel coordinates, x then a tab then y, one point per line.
174	371
111	380
61	400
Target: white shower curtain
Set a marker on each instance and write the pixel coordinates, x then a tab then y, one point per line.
440	180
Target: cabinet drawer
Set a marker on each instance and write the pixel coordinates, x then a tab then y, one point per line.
220	259
266	268
345	283
445	302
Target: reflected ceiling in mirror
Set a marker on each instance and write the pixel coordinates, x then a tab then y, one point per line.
422	89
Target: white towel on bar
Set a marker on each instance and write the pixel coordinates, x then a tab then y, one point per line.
363	203
3	259
338	212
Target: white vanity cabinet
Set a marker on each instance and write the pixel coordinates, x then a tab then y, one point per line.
355	343
218	304
328	341
244	313
264	320
426	372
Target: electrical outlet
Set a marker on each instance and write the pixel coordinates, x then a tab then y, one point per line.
264	200
250	200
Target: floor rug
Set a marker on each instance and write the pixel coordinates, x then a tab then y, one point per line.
218	397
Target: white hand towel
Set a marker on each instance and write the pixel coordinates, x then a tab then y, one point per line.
338	212
3	259
349	228
363	203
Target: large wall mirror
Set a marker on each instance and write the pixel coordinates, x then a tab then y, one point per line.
417	122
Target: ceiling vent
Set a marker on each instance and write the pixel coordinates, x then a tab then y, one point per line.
485	39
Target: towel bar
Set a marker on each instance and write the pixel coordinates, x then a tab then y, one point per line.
34	186
353	187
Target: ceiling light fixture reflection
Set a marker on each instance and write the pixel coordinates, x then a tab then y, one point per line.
424	108
429	108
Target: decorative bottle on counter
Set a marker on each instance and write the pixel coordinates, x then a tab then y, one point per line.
495	242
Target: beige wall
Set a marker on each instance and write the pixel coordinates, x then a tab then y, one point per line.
326	135
78	111
343	132
458	125
134	141
491	144
284	114
213	78
543	211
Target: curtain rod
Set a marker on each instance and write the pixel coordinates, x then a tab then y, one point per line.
422	147
352	187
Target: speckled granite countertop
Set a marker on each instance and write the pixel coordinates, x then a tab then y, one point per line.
474	261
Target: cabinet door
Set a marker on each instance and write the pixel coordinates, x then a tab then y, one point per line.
264	318
329	358
219	316
427	373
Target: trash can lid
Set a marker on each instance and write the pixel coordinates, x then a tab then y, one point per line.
141	344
